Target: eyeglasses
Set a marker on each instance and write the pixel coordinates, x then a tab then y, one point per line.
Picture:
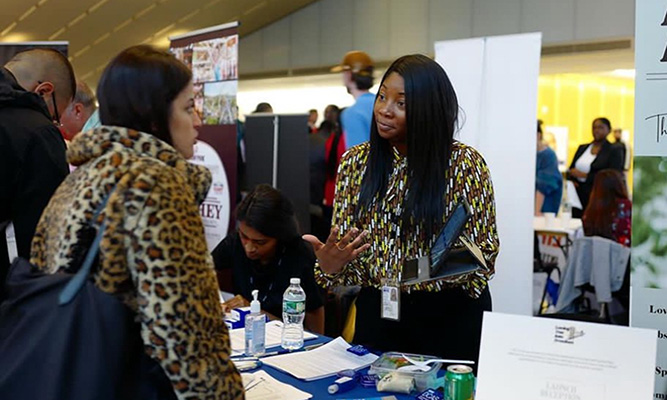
56	119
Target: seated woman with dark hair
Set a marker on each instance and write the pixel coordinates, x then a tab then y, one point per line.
609	211
265	252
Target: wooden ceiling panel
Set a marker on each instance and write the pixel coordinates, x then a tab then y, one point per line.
98	29
12	10
54	15
105	19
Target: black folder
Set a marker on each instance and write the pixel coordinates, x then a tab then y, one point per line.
446	260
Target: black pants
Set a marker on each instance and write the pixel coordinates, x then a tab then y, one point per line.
446	324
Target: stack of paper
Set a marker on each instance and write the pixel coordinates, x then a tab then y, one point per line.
274	331
322	362
262	386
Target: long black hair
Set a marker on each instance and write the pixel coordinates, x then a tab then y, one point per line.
268	211
431	121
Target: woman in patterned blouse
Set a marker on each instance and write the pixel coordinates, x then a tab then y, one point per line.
393	195
609	211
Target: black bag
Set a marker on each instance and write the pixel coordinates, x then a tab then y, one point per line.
61	338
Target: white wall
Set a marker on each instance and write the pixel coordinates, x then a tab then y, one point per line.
293	100
496	81
295	95
318	35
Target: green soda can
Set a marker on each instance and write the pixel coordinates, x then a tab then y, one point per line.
459	383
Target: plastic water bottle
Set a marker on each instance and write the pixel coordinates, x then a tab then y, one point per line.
255	328
294	311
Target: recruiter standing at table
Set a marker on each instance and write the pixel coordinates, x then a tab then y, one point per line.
593	157
392	197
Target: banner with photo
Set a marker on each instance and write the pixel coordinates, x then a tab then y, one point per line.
212	55
649	203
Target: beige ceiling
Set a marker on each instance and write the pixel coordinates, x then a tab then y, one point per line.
98	29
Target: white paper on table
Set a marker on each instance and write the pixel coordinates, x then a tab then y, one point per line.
572	196
528	358
262	386
274	332
322	362
225	296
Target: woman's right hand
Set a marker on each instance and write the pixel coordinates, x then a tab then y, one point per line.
577	174
334	255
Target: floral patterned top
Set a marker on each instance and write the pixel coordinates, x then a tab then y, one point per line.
621	226
467	176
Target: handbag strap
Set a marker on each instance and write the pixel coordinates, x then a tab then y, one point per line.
76	283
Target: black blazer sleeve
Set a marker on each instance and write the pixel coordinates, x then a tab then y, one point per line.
616	159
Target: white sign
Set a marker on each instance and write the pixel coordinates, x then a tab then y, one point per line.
651	78
495	79
648	305
527	358
216	209
649	309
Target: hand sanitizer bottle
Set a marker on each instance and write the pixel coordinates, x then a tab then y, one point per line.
255	328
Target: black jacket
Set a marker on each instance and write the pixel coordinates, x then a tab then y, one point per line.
32	163
609	156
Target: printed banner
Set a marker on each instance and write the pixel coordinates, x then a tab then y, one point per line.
649	208
651	78
212	54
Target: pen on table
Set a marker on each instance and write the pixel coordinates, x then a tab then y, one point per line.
285	351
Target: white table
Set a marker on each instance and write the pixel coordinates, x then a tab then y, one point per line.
556	236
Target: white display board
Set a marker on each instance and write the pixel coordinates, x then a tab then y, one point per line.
649	214
495	79
651	78
526	358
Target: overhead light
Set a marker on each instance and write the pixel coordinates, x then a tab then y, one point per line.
15	38
623	73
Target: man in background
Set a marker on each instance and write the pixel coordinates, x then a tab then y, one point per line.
312	120
357	68
36	86
263	108
618	142
79	111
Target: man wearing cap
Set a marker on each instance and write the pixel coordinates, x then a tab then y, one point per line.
357	68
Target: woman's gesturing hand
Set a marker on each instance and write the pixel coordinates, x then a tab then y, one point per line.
333	255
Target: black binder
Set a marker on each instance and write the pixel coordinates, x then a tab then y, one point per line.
446	260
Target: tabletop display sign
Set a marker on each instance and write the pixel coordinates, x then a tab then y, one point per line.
529	358
212	54
649	213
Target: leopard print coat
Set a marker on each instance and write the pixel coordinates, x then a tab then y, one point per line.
153	253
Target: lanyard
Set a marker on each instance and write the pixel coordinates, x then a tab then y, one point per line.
263	298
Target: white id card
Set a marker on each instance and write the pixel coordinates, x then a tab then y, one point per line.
391	301
11	242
